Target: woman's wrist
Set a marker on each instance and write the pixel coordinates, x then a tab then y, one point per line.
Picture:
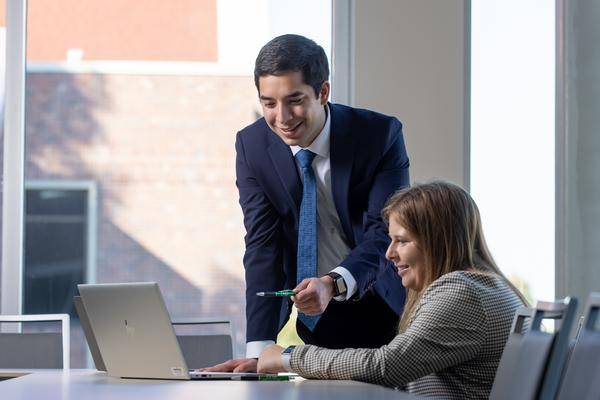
286	356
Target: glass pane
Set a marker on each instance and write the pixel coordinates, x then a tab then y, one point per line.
55	202
149	116
55	250
512	136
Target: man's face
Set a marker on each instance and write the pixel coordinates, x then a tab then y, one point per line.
291	108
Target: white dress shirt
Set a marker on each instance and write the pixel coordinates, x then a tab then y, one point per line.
332	245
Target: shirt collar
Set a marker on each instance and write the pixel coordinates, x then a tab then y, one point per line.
319	146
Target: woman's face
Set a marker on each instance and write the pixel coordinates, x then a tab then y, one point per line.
406	255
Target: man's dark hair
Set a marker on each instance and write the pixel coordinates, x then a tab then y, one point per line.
293	53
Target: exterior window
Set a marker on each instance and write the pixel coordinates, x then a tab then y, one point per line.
512	137
55	249
150	117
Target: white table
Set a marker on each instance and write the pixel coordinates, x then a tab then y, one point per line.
90	384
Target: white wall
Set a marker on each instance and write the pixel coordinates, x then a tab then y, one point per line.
411	61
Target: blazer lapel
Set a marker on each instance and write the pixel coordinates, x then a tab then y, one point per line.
285	167
341	157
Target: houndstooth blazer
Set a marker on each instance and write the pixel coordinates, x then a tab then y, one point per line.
450	350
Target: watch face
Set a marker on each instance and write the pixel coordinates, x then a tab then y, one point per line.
288	350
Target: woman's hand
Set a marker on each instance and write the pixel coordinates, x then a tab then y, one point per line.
270	360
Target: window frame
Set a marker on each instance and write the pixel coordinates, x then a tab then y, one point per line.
11	296
91	216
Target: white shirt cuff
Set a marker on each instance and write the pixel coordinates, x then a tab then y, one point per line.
253	349
350	283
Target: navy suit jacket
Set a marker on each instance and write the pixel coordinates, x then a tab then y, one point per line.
368	164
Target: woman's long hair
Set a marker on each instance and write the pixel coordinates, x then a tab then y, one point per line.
446	225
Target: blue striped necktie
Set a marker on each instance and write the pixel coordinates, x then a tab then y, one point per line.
307	229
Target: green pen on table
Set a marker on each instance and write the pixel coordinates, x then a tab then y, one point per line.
276	378
269	377
279	293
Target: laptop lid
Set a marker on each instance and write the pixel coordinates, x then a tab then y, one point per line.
89	334
133	330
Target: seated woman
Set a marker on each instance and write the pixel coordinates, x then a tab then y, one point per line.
458	312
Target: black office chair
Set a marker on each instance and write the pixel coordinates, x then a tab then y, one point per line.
532	360
582	376
201	351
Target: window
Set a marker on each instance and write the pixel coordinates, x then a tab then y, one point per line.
512	136
56	247
150	116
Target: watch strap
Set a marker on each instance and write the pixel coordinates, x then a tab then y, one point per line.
286	356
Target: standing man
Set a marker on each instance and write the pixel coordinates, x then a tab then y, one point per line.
313	178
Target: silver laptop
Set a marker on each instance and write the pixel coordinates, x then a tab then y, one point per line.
89	334
135	336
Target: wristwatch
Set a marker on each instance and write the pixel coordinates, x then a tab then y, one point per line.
285	358
339	284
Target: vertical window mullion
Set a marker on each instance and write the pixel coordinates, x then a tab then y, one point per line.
14	143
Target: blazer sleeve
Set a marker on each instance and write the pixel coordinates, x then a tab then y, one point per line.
391	174
447	329
263	255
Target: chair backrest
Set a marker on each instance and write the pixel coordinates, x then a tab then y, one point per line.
35	350
532	360
205	350
583	369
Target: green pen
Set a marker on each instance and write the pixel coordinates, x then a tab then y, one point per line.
280	293
275	378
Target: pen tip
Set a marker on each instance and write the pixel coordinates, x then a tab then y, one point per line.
260	294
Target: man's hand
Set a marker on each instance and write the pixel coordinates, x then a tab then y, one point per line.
270	360
313	295
237	365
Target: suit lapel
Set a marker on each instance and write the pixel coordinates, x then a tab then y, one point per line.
342	157
285	167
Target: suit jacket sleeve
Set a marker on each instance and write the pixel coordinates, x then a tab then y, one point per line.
448	329
391	174
263	255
